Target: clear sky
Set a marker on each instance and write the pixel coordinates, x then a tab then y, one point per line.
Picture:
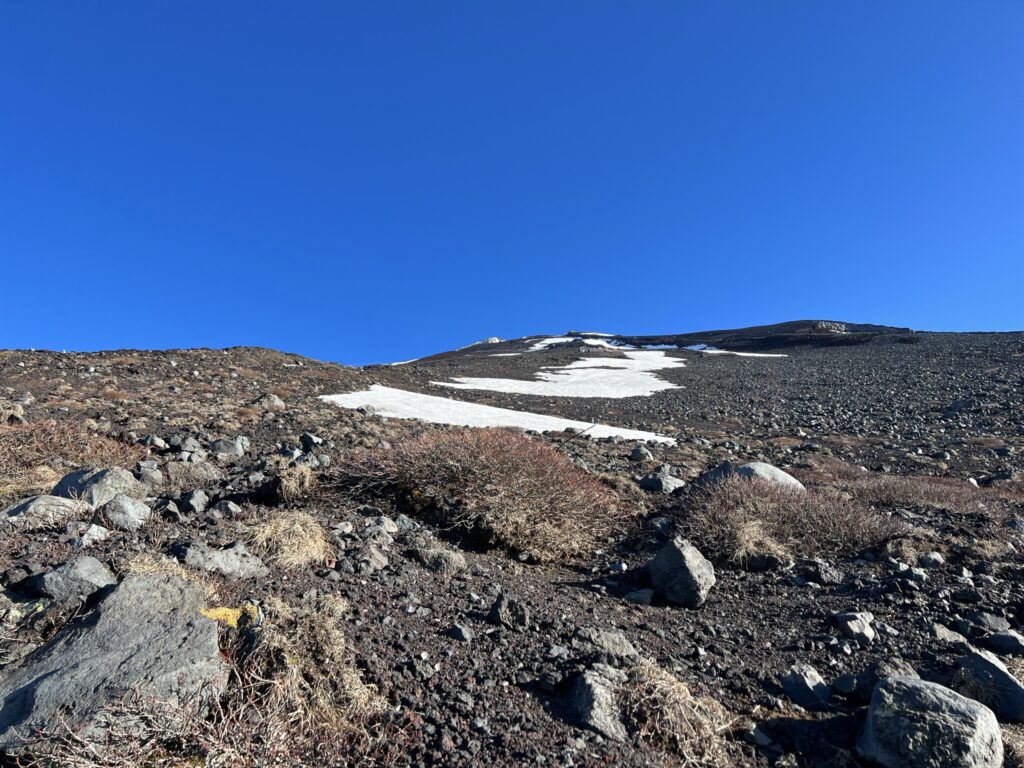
381	180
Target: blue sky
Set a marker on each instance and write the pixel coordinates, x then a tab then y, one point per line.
376	181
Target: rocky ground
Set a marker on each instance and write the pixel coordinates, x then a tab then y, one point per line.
867	614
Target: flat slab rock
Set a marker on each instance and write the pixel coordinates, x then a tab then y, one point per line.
147	635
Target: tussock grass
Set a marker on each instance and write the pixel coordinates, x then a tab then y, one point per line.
663	713
498	487
34	456
731	518
292	540
916	491
294	484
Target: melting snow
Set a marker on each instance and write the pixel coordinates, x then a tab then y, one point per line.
631	376
400	404
705	349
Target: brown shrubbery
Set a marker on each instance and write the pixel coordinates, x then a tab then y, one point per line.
33	457
500	487
732	518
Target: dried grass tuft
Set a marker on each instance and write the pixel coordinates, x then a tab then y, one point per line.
292	540
663	713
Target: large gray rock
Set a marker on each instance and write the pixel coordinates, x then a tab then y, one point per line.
593	702
235	561
147	636
916	724
763	471
125	513
681	574
78	578
39	512
983	677
98	486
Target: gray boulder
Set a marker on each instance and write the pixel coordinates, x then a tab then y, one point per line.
98	486
235	561
661	480
234	446
148	636
593	702
40	512
1006	643
78	578
915	724
805	686
195	502
125	513
763	471
856	625
681	574
446	562
983	677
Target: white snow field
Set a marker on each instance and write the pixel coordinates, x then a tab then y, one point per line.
705	349
613	377
399	404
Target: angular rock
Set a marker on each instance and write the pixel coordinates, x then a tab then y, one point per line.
593	702
681	574
764	471
446	562
916	724
98	486
866	681
195	502
1007	643
661	480
804	685
607	642
79	578
509	613
234	561
983	677
147	636
40	512
125	513
856	625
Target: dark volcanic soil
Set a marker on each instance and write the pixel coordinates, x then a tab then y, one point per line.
936	405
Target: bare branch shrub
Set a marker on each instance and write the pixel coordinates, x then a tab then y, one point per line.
33	457
726	515
662	711
915	491
292	540
500	487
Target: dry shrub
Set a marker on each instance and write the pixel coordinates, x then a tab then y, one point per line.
727	515
292	540
294	484
500	487
916	491
663	713
294	697
33	457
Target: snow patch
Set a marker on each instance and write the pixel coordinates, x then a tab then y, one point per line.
707	350
400	404
611	377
